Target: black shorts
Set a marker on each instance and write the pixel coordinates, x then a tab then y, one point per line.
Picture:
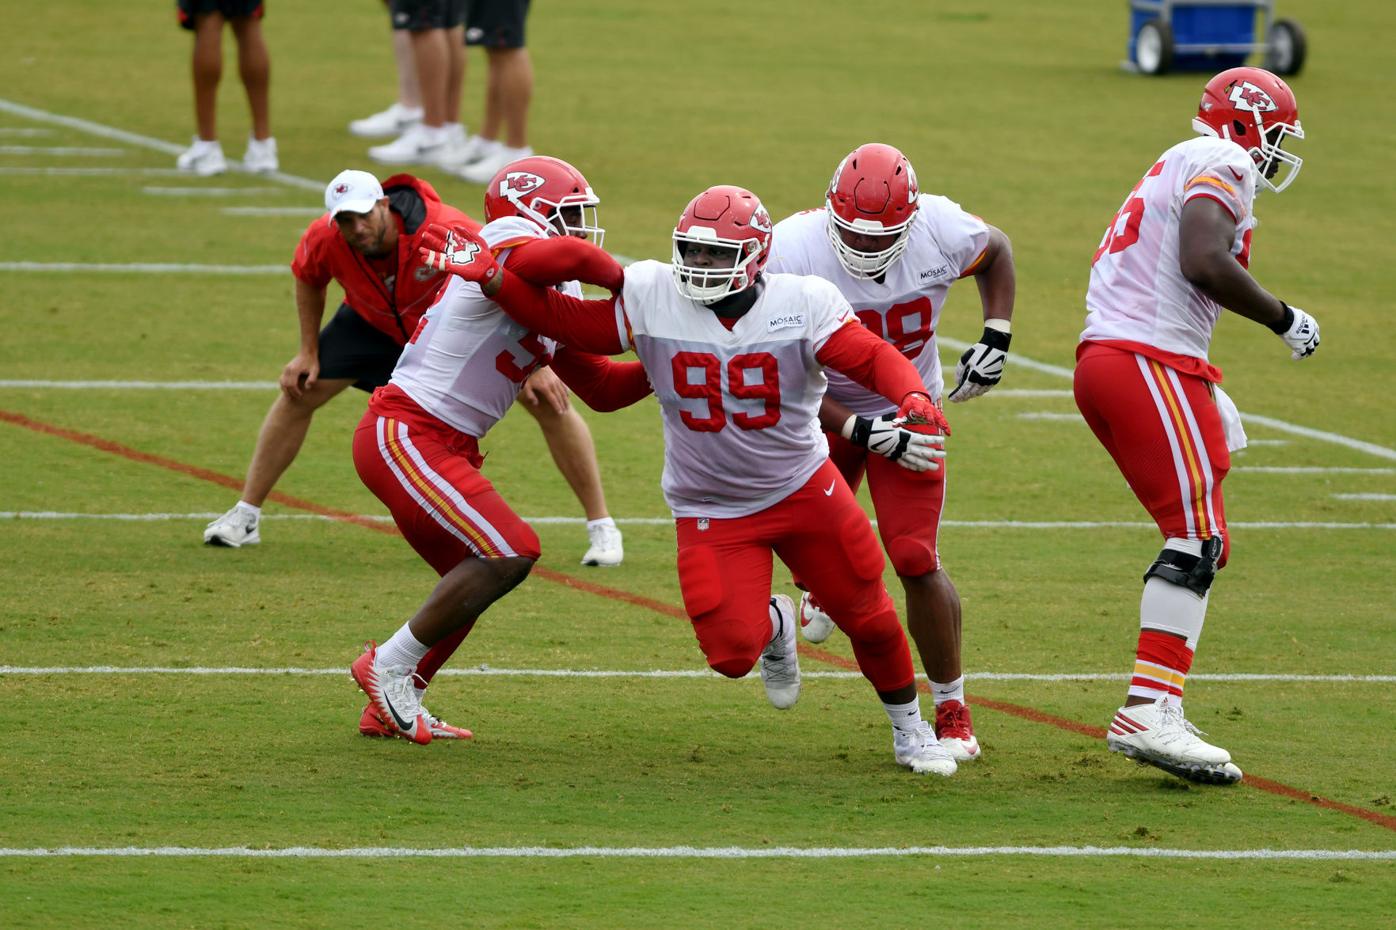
351	348
231	9
421	15
496	23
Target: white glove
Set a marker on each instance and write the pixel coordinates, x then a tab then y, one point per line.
887	437
981	366
1299	331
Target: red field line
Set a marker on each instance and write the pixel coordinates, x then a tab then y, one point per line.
1017	710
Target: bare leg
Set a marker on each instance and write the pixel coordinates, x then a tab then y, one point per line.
409	93
933	619
254	67
455	72
462	595
207	71
430	53
508	95
574	453
283	432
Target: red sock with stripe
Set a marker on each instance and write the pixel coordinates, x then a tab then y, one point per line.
1161	664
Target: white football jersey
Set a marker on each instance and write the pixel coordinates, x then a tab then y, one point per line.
1137	291
740	407
904	308
468	359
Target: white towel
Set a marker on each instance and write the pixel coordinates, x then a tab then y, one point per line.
1231	420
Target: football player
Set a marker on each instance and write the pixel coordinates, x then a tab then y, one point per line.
1176	255
737	359
417	446
893	252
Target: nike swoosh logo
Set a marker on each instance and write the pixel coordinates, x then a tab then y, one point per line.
829	491
1234	173
402	725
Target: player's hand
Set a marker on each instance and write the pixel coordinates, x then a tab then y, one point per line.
457	251
981	367
918	410
300	375
887	437
544	387
1299	331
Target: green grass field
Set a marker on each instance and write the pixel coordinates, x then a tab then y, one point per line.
670	800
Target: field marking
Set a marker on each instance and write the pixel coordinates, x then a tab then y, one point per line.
24	131
1365	497
272	211
96	172
668	521
1029	392
60	150
1048	415
146	268
160	191
617	595
688	852
1311	470
485	671
144	385
1267	442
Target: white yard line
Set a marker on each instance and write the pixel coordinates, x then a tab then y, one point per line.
485	671
97	171
25	132
271	211
160	191
1311	470
689	852
1365	497
147	385
145	268
1048	415
60	150
667	521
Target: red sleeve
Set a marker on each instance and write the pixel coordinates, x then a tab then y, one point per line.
565	258
602	384
309	264
873	363
589	325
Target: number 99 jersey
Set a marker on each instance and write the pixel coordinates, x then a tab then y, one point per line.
943	243
1138	294
740	407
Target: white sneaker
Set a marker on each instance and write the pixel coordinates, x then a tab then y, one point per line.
1158	734
386	124
235	529
260	157
780	662
487	166
203	158
606	549
392	690
460	148
815	624
919	751
418	145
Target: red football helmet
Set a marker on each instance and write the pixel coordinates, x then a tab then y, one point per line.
873	193
1256	110
549	192
733	219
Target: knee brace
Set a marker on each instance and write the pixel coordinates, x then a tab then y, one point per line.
911	557
1194	572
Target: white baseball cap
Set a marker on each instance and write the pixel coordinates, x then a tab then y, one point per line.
355	191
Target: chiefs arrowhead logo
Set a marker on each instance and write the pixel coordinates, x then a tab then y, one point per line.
761	220
1246	96
518	183
341	188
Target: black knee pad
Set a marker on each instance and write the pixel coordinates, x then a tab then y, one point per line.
1194	572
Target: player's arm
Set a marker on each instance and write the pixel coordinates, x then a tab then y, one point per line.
551	261
877	366
883	435
602	384
981	365
1205	236
301	372
589	325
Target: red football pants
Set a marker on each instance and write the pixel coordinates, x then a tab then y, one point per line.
823	536
1162	428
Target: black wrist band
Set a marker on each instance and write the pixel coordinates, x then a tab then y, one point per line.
862	431
996	339
1282	327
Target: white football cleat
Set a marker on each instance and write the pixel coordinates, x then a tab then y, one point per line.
203	157
391	689
955	730
419	145
484	168
386	124
371	724
780	662
260	157
1158	734
815	624
235	529
607	549
919	751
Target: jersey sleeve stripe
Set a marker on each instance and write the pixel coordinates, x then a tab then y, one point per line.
969	269
1208	179
1211	196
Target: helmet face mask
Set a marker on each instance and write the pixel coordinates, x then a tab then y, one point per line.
1256	110
872	196
547	192
721	243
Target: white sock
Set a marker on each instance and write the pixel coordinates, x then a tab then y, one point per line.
604	521
250	509
402	649
944	691
905	717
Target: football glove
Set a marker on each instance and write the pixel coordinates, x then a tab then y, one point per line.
918	410
1298	330
885	436
981	367
457	251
